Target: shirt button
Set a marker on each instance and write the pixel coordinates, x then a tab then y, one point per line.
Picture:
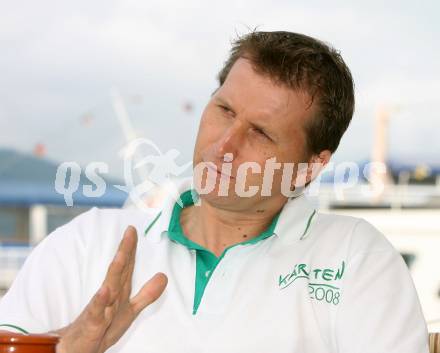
207	274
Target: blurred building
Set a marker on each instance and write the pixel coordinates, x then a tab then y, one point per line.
30	207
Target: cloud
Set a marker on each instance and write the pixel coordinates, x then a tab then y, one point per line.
60	59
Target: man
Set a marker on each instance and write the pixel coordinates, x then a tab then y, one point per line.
244	271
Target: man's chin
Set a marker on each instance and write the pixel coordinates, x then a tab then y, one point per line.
225	199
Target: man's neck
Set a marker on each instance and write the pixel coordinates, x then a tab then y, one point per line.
218	228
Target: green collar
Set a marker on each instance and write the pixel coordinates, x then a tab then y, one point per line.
175	231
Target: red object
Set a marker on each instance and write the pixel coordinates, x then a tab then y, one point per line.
33	343
40	150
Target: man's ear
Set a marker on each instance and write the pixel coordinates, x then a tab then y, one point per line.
308	171
316	164
322	158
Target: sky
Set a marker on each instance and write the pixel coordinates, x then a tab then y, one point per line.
60	59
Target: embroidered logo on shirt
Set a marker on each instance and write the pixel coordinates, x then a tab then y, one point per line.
321	281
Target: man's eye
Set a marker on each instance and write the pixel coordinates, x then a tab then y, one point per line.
262	133
225	109
226	112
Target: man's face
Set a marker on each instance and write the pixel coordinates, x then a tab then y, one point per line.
251	119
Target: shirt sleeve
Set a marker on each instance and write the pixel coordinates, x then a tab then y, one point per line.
46	293
381	312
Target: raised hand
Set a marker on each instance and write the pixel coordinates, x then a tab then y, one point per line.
112	310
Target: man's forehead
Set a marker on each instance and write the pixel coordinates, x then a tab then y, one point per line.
245	82
264	105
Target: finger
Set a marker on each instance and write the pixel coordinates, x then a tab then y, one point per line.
119	266
127	275
114	274
129	241
149	293
128	244
126	281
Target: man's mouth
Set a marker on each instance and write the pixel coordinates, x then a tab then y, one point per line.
213	167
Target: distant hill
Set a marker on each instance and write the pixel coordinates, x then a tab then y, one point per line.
21	167
26	179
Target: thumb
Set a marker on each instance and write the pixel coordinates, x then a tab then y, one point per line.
149	293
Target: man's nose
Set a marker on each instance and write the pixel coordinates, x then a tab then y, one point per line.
229	142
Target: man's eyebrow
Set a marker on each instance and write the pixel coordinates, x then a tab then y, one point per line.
262	128
222	101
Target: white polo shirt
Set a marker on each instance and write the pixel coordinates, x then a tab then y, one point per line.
310	283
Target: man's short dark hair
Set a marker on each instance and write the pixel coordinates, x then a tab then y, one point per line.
303	63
